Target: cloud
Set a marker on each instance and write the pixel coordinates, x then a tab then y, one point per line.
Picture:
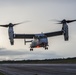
25	54
6	52
39	12
2	48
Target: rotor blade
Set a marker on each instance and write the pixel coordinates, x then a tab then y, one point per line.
4	25
55	20
65	21
21	23
69	21
59	23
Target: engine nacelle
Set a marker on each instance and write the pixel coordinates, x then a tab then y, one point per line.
11	35
65	32
11	40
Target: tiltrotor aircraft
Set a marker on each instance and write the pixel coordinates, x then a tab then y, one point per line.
39	40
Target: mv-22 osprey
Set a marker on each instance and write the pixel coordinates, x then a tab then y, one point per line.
39	40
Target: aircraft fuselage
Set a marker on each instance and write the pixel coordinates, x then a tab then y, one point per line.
39	41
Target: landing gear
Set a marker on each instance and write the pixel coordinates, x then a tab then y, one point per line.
31	49
46	48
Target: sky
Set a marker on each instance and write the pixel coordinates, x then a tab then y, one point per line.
41	15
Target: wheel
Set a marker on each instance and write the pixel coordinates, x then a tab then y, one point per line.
31	49
46	48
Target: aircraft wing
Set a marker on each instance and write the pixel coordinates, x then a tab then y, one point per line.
22	36
51	34
30	36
